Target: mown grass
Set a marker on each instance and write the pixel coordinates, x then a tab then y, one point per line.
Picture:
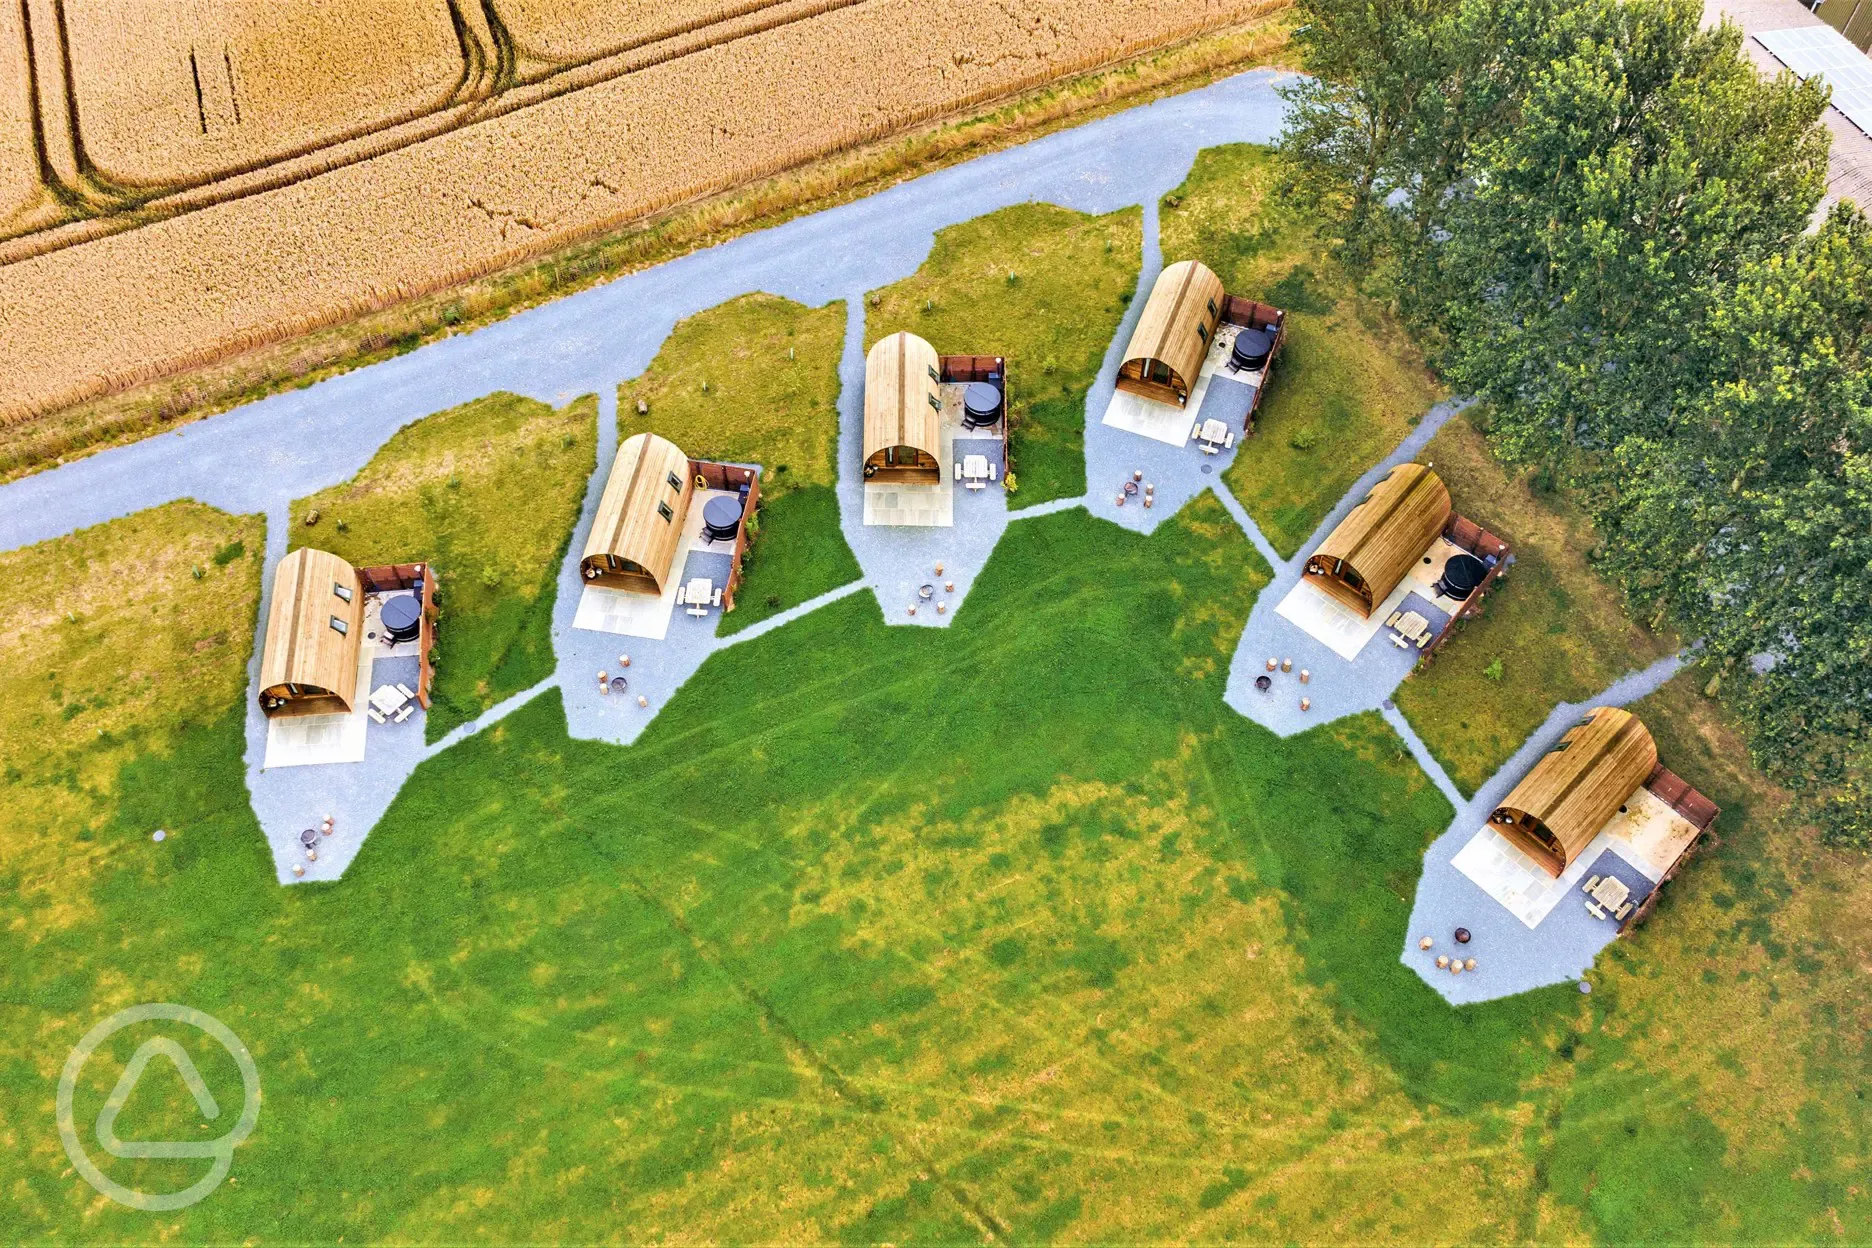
1045	287
1552	631
843	957
116	642
755	380
487	493
1348	385
1723	1098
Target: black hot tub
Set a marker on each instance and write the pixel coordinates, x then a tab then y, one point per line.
981	404
1252	348
1460	576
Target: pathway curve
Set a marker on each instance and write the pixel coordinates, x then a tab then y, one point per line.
260	457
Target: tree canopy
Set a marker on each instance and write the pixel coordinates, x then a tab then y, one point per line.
1603	216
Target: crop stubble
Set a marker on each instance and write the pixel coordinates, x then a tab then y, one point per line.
93	317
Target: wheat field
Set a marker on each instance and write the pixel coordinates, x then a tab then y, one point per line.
19	175
179	90
92	305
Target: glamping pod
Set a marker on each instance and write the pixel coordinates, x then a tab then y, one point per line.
1166	351
309	662
903	411
1363	559
1576	787
637	532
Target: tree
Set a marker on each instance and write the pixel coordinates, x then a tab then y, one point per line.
1748	517
1647	163
1369	62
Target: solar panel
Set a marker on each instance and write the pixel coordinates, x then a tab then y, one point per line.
1811	50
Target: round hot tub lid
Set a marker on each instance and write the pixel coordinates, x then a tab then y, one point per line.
1252	347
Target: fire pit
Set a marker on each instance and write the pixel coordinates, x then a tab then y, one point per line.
926	592
1263	683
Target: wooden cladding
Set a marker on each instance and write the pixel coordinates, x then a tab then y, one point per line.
1370	551
309	661
637	532
1576	787
903	411
1166	352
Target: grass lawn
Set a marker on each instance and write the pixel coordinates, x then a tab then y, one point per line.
113	652
1726	1095
808	962
1553	632
772	400
1043	286
1347	386
487	493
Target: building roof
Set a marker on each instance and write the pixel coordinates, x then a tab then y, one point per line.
902	373
1187	296
1580	784
1390	529
302	648
649	477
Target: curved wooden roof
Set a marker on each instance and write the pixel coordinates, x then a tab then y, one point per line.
302	648
1186	297
649	470
1390	530
901	376
1578	785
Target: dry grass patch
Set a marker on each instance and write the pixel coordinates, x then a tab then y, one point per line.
175	91
528	182
1553	630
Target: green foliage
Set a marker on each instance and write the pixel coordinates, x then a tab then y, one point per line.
1575	294
1752	511
1348	384
1493	671
801	554
487	493
1599	209
1053	320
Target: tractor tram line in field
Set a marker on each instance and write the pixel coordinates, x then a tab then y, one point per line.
921	504
105	205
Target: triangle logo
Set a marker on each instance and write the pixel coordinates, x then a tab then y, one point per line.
126	1084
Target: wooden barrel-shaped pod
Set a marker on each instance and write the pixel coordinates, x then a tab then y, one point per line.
1559	806
902	411
1370	551
1173	333
309	660
637	532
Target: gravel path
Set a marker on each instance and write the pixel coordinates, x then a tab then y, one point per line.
259	457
